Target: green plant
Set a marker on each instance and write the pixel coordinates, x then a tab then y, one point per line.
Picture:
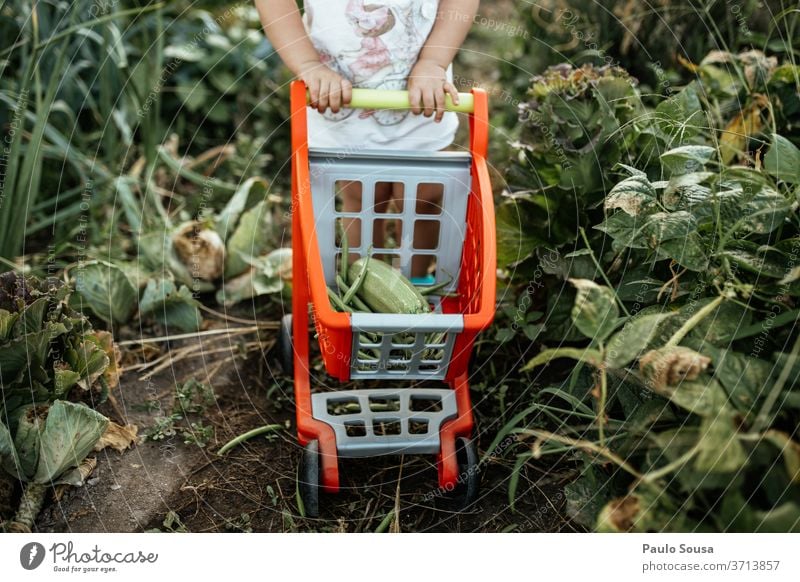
48	350
48	353
688	420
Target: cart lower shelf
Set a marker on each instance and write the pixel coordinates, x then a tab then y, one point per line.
385	421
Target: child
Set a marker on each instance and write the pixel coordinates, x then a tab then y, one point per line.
388	44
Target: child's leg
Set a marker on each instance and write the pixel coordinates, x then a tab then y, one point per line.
426	233
351	202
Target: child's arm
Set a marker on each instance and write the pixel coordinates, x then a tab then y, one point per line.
284	29
427	82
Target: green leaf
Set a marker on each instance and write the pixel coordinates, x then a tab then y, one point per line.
88	359
687	252
762	261
790	450
783	160
687	159
664	226
593	357
249	240
681	115
515	242
739	516
172	307
8	452
7	321
595	311
744	378
721	451
684	191
107	291
70	432
627	344
587	495
226	220
263	278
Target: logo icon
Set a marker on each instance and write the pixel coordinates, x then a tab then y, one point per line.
31	555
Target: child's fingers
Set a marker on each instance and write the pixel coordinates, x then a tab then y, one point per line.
429	101
335	98
440	104
347	92
452	91
415	100
313	91
324	92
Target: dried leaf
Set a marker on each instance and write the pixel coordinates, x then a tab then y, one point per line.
112	372
118	437
671	365
200	249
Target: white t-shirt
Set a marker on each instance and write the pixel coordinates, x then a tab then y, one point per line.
374	44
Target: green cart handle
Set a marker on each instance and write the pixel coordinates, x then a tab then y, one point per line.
388	99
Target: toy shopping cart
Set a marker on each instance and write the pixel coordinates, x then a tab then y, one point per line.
389	347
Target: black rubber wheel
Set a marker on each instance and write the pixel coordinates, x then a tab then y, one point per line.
309	479
466	490
285	351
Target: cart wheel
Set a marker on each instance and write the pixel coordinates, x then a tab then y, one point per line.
285	350
309	478
465	492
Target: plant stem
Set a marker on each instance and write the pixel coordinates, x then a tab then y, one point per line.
601	271
763	415
692	322
601	413
248	435
30	504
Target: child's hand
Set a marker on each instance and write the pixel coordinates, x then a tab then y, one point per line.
326	87
427	85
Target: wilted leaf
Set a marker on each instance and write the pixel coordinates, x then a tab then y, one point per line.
627	344
107	291
595	311
112	371
641	511
633	195
783	160
117	437
75	477
670	365
70	432
733	140
200	249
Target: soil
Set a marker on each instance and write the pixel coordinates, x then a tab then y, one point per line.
170	485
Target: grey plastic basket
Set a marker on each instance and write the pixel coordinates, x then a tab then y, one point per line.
391	345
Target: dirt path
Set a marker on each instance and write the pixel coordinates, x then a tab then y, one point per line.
252	488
